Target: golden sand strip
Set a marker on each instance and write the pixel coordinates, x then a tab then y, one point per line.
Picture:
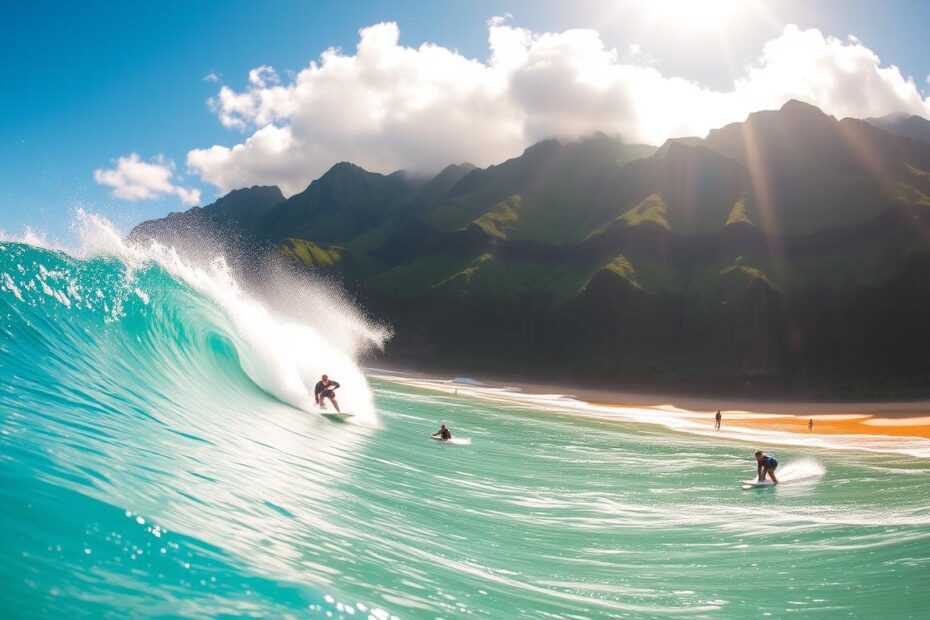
876	419
835	425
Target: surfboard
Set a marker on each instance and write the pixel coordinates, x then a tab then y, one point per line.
338	416
457	441
755	484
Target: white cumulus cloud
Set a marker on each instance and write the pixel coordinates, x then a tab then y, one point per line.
133	179
389	107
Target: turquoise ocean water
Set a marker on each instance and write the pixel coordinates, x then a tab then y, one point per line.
155	460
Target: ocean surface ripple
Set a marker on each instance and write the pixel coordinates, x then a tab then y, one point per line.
159	457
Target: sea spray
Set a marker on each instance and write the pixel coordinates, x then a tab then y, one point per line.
287	331
796	470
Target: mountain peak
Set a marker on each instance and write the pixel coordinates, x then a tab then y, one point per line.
795	106
456	168
263	193
542	148
794	115
344	168
904	125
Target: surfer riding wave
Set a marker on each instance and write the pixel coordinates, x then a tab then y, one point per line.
326	388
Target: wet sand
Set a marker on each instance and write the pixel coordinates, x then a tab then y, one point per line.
898	424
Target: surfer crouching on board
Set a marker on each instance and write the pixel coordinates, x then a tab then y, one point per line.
325	388
766	466
443	433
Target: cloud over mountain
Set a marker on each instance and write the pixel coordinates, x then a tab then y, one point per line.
133	179
388	106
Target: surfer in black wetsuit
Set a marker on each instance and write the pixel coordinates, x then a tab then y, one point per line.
766	466
443	433
326	388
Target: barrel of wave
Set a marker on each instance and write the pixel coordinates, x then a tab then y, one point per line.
286	359
288	331
288	335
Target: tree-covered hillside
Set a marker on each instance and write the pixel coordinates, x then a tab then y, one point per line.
790	251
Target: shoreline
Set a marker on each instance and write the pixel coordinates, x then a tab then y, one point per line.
687	389
878	419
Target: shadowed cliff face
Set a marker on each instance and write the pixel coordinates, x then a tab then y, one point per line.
788	252
908	126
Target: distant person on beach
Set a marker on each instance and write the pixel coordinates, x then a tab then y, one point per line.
717	419
326	388
766	466
810	425
443	433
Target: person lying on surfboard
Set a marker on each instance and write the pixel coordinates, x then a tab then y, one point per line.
326	388
766	466
443	433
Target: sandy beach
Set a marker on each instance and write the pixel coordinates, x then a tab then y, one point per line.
896	419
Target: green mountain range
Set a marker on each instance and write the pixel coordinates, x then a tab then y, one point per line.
909	126
787	253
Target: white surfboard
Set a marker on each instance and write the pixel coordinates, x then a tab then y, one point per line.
341	416
457	441
755	484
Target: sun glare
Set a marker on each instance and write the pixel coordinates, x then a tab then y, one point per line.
698	14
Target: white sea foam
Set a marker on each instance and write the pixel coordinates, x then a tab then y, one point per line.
800	469
286	339
459	441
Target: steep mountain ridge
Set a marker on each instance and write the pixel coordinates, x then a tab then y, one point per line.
238	213
742	258
907	126
339	205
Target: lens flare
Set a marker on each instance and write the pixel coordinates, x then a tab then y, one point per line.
703	14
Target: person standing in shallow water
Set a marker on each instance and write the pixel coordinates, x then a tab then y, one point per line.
717	419
810	425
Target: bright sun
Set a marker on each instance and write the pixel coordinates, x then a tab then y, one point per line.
698	14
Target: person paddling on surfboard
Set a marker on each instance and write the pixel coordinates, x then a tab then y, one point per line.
443	433
326	388
766	466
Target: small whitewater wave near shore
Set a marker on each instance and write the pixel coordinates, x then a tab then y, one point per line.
668	416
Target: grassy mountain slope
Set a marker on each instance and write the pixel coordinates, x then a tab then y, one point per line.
786	251
810	171
338	206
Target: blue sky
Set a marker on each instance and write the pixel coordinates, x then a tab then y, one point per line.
87	83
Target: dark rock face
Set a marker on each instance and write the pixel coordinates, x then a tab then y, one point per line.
238	212
907	126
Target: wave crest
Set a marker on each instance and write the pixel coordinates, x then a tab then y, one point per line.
169	306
